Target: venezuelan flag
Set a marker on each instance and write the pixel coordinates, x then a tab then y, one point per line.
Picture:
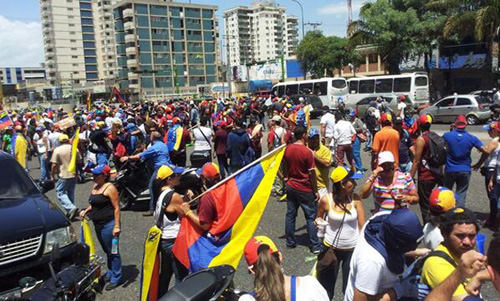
5	120
74	150
240	202
174	138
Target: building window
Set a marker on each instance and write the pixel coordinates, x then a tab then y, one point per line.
72	41
74	56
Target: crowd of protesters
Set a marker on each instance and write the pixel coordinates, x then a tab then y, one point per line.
410	166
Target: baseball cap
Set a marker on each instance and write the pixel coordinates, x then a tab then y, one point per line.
63	137
165	171
424	119
461	122
352	112
385	157
102	169
398	120
441	200
402	97
209	170
313	132
459	215
385	117
340	173
492	126
252	248
176	120
276	118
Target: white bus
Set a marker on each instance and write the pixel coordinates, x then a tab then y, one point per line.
328	89
414	86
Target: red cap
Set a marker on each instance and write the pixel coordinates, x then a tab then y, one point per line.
402	98
252	248
461	122
385	117
176	120
424	119
210	170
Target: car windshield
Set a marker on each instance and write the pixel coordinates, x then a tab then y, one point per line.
15	184
482	99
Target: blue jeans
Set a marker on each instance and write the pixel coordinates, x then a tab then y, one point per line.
44	175
405	167
151	186
461	180
369	139
492	195
101	158
65	190
295	199
356	149
105	236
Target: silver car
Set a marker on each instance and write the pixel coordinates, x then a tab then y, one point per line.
475	108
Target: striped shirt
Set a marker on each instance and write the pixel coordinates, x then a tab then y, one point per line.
384	193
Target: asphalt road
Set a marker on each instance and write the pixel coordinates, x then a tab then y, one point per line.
298	261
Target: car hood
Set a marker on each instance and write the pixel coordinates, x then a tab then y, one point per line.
27	217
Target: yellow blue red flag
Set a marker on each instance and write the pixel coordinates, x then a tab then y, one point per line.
240	201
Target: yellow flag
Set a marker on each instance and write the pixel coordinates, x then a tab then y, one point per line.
89	102
87	236
74	150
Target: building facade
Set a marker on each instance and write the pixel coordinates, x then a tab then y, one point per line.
258	33
105	40
18	75
165	47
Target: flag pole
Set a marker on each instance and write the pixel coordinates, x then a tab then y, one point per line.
237	173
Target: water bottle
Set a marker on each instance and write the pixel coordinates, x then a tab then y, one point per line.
114	245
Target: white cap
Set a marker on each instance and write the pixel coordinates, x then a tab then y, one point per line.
276	118
301	99
385	157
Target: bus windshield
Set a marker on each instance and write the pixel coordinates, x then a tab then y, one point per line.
339	83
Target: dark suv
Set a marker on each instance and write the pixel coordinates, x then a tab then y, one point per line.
30	225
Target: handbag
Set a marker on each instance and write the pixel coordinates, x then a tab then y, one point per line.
328	259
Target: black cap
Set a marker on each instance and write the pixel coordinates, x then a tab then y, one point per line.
459	215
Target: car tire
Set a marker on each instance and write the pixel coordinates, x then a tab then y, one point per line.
472	120
125	200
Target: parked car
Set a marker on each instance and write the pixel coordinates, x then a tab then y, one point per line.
486	94
313	100
475	108
30	226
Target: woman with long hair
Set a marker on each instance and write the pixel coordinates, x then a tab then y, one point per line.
270	283
345	217
105	213
168	212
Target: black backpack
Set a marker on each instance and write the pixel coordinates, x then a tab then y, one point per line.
437	150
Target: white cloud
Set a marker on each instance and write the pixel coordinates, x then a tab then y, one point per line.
340	8
21	43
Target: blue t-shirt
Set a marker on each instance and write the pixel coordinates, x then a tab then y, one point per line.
156	155
460	144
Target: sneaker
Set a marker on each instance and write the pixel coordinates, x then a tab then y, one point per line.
112	286
316	252
149	213
73	212
291	246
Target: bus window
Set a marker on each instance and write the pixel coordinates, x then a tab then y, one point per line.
383	85
339	83
306	88
367	86
402	84
292	89
420	81
353	86
274	91
320	88
281	91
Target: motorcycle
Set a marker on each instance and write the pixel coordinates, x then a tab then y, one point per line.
208	284
132	183
78	281
495	112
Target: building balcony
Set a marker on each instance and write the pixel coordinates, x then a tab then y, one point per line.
128	13
50	62
45	20
130	51
133	75
129	25
129	38
132	63
50	69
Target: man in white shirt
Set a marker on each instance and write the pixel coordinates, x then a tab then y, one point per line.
342	134
327	126
42	145
401	106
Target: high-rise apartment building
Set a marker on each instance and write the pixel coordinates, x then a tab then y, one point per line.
16	75
260	32
165	47
105	39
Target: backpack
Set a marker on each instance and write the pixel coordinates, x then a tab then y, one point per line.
414	271
437	150
277	139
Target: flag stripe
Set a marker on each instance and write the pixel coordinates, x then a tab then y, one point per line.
178	137
248	182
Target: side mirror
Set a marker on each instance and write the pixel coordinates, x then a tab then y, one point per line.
47	186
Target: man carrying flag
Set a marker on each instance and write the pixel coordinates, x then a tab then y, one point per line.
177	139
65	186
228	214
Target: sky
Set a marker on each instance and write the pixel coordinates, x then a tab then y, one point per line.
21	42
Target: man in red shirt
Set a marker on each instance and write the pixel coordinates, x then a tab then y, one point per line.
428	177
301	189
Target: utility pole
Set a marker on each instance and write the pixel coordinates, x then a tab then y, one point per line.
315	25
302	13
228	70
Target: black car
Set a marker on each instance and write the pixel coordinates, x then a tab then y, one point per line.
313	100
30	225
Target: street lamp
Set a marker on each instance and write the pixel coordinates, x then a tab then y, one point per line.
302	11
